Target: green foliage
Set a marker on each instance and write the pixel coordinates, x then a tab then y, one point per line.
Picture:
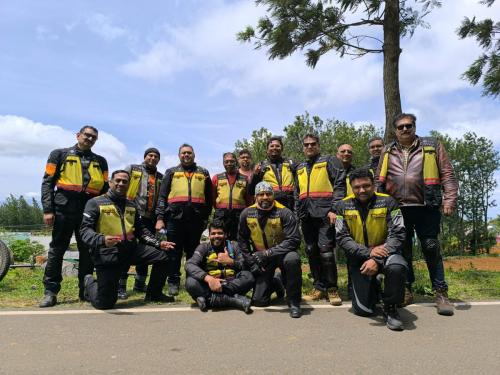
486	66
332	133
25	250
475	161
16	213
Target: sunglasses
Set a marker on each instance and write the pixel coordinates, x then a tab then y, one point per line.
404	126
311	144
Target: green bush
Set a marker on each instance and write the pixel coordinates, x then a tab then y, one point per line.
25	250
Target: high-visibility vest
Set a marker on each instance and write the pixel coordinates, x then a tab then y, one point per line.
135	182
286	183
272	234
430	170
111	222
231	196
317	183
218	270
371	232
71	177
187	187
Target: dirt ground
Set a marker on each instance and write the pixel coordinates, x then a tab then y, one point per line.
481	263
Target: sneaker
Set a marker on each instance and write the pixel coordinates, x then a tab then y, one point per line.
392	318
443	304
295	310
334	298
173	289
317	295
48	300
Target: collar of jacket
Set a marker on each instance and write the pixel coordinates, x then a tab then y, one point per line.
148	168
115	198
189	168
313	160
80	152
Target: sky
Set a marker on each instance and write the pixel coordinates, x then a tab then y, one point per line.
161	73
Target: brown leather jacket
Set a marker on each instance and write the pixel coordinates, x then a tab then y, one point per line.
407	186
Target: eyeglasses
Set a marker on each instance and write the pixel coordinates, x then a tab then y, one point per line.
345	152
89	135
404	126
310	144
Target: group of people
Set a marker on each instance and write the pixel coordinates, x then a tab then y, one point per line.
140	217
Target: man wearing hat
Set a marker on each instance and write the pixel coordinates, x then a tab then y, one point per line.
269	238
144	187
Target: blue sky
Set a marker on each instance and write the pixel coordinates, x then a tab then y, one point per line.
166	72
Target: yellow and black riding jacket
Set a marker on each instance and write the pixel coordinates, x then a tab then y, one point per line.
318	183
231	196
109	215
203	262
74	171
361	227
144	188
275	230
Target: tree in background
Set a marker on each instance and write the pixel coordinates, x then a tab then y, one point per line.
332	134
487	66
16	213
475	161
348	27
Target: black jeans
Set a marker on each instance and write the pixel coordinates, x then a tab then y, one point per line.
102	292
319	237
241	284
291	272
231	219
186	234
364	288
66	222
425	222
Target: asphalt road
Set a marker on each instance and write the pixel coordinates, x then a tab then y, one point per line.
324	340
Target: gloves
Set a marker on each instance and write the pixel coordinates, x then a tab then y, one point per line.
261	257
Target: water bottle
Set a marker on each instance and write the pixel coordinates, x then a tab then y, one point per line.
162	234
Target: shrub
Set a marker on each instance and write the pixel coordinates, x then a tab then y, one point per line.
25	250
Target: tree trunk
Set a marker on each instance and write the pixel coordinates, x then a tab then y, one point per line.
392	98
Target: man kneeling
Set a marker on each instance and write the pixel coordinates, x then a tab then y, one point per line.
215	275
110	228
370	229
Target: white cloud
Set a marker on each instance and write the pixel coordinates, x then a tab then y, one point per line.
101	25
43	33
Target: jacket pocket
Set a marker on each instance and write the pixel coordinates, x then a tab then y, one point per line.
106	256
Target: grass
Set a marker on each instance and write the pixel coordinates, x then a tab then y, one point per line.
23	288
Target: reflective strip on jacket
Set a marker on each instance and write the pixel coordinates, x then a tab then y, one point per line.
231	196
112	223
71	178
287	181
187	187
273	232
317	183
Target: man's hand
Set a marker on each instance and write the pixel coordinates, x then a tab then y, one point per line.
213	283
224	258
257	169
48	218
379	251
160	224
260	258
111	241
369	268
166	245
447	210
331	217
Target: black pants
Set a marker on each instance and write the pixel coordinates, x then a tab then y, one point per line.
231	219
291	272
365	290
141	270
425	222
241	284
65	224
319	237
102	292
186	234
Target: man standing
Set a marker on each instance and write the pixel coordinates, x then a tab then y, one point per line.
215	275
110	228
320	181
184	204
230	195
375	146
269	237
345	154
277	171
245	163
72	176
370	230
143	189
416	172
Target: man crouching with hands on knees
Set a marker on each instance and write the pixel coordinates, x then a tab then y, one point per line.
215	275
370	229
111	227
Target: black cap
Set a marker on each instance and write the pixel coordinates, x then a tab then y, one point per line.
152	149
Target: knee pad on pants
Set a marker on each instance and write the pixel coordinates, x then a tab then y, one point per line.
396	260
312	250
430	245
